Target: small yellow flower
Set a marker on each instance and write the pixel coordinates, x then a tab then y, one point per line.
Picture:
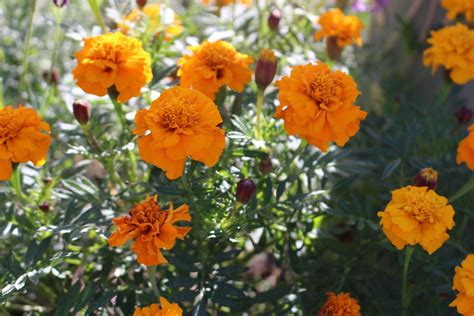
346	29
458	7
464	284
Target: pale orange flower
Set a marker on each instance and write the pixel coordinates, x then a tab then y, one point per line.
417	215
317	105
346	29
466	149
458	7
340	305
181	123
23	137
213	65
112	59
464	284
152	229
164	309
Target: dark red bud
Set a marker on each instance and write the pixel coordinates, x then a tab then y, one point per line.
82	111
47	180
464	115
274	20
44	207
245	190
60	3
265	165
141	3
426	177
266	68
51	77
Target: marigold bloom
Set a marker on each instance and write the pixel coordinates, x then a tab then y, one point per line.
417	215
453	48
464	284
157	19
317	105
340	305
166	309
23	137
347	29
213	65
180	123
466	149
152	229
457	7
113	59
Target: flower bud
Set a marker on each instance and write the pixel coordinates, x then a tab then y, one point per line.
51	77
464	115
265	165
426	177
274	20
266	68
60	3
333	50
141	3
82	111
44	207
245	190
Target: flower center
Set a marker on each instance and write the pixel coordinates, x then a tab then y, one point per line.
216	56
324	90
178	114
148	212
421	209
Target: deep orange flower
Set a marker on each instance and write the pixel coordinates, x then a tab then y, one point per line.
464	284
466	149
180	123
110	60
156	17
457	7
23	137
213	65
152	229
346	29
317	105
166	309
453	48
340	305
417	215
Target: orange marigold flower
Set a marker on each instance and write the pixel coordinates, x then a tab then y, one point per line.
453	48
346	29
110	60
23	137
457	7
466	149
152	229
464	284
156	17
417	215
317	105
166	309
180	123
213	65
340	305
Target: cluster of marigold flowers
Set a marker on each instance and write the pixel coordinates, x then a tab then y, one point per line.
316	104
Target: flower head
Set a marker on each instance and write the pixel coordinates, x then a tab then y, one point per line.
417	215
466	149
213	65
113	59
157	19
346	29
151	228
453	48
464	284
340	305
180	123
23	137
164	309
317	105
457	7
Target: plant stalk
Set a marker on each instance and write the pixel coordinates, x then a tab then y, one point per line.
405	294
260	99
466	188
152	275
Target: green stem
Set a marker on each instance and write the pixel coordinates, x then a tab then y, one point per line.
26	53
152	275
16	184
120	113
463	190
260	99
405	294
133	169
98	15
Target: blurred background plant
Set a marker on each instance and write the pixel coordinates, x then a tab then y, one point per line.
302	222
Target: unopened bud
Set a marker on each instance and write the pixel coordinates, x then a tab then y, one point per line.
141	3
245	190
426	177
464	115
51	77
44	207
82	111
265	165
266	68
60	3
274	20
333	50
